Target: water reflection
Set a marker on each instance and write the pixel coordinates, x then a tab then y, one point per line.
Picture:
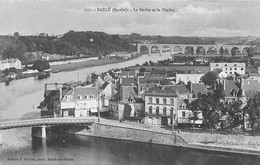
90	150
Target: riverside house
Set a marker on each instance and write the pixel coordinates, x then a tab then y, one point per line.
80	101
160	106
10	63
126	103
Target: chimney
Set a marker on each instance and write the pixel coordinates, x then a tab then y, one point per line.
224	84
60	89
45	87
56	86
72	87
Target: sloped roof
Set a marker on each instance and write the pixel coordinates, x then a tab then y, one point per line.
148	80
127	73
165	82
104	85
116	97
216	71
83	91
229	85
198	88
127	93
180	89
156	91
129	82
181	102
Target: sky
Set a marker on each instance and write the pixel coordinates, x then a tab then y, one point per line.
205	18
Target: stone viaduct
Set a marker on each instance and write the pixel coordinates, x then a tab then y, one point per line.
183	48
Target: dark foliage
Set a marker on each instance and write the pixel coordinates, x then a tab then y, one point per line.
41	65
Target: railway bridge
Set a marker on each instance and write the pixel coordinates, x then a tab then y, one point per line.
194	48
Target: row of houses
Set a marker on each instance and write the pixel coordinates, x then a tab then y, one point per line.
147	97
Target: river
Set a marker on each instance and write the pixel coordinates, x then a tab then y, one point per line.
20	100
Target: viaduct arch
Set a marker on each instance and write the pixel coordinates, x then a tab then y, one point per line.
197	49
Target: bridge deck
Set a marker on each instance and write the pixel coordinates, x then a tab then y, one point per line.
47	122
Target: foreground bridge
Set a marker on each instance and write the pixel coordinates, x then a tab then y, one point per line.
195	48
39	125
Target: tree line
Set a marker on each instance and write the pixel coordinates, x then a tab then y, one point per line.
70	44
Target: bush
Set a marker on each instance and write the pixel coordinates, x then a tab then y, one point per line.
41	65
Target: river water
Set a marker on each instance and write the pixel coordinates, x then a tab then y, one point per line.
19	100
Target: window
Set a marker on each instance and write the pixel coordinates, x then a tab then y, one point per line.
242	68
183	114
235	68
157	100
230	72
79	97
157	110
230	68
226	68
150	110
171	111
150	100
86	97
164	111
84	103
164	101
172	101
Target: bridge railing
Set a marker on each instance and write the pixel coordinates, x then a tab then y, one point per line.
49	121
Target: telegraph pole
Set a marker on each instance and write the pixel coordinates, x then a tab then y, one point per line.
98	102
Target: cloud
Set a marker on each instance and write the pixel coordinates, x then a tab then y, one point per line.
213	31
125	4
196	12
190	9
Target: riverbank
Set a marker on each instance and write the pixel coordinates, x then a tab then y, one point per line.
90	63
232	144
84	64
75	65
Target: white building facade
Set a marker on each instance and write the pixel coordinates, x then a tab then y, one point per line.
160	109
229	68
10	63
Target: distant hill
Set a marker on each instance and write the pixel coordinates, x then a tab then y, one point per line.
70	44
192	40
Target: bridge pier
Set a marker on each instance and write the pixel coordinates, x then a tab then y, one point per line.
39	132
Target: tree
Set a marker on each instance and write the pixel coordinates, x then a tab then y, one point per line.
41	65
211	110
210	107
209	78
253	110
141	70
221	50
146	63
233	111
195	109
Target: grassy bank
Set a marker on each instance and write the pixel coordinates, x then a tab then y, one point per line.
84	64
